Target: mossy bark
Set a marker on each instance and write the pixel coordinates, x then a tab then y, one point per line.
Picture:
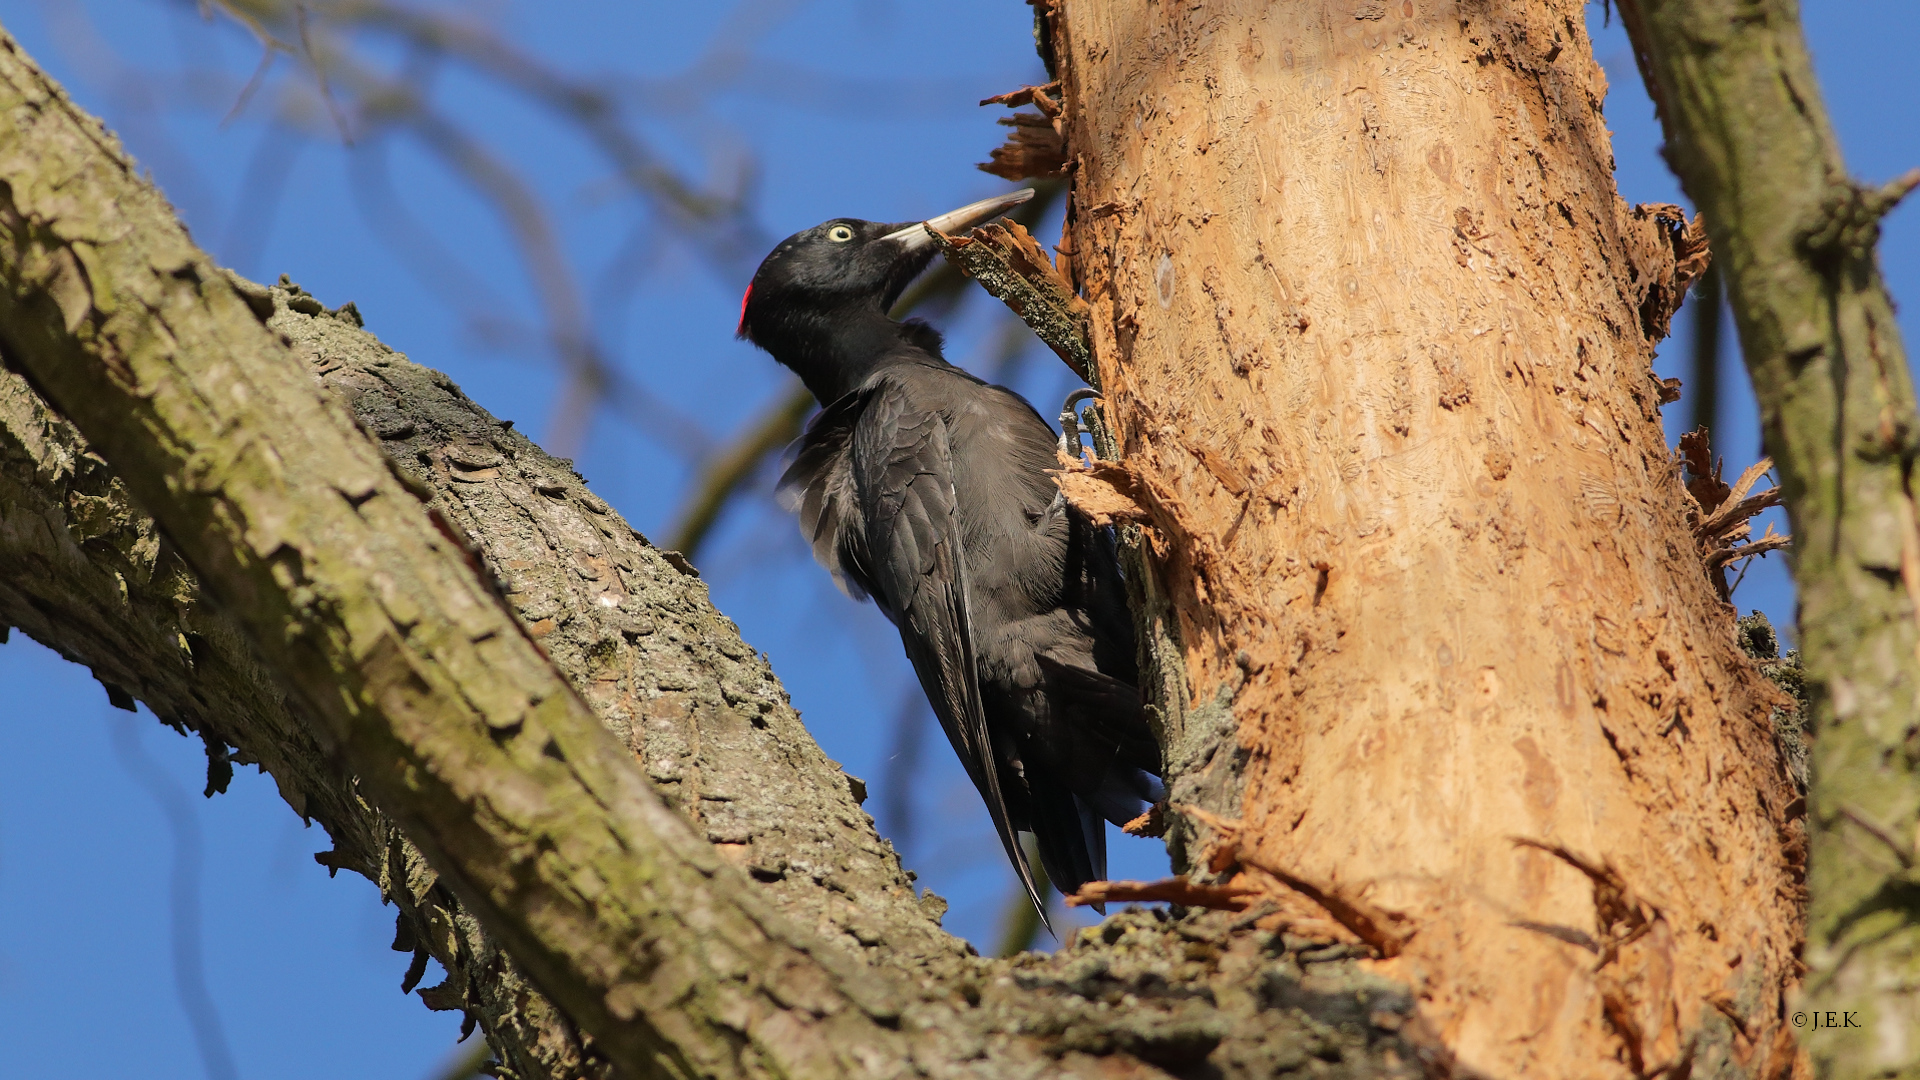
405	664
1794	236
85	572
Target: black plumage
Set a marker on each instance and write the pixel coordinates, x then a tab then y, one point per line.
926	488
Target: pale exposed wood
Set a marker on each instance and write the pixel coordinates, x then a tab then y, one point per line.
1374	330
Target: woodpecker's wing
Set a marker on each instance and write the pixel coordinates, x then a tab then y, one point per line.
903	465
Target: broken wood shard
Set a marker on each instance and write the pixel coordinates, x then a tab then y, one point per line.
1671	254
1036	148
1153	823
1384	932
1033	151
1171	890
1044	98
1103	493
1009	263
1721	514
1379	929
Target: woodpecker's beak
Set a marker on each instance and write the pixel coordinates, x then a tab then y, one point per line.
914	237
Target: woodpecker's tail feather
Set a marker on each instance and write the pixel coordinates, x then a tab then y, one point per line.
1072	853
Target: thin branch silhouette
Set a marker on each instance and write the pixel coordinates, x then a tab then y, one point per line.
895	787
265	183
184	908
1703	378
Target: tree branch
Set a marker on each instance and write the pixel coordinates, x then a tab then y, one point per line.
412	672
1795	235
722	476
85	572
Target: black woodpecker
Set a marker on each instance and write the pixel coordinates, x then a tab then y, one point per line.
926	489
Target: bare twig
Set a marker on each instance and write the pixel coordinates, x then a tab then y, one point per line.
1011	265
893	787
267	53
261	189
1902	853
723	474
715	220
184	902
320	75
1171	890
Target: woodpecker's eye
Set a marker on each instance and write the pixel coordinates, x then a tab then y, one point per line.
840	234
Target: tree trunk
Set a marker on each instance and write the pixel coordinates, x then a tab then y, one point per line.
1374	332
1440	674
1751	143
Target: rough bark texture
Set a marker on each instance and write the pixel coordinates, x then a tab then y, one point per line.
85	572
101	293
1010	264
1795	238
1374	329
410	671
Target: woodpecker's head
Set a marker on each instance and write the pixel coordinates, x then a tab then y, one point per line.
845	269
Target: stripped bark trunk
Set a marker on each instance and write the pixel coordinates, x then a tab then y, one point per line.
1374	332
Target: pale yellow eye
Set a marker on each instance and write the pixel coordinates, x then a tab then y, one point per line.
840	234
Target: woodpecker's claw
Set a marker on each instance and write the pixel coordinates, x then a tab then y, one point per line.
1070	425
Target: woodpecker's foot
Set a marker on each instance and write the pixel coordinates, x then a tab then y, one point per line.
1070	425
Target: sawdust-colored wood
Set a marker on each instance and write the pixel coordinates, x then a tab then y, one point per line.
1374	331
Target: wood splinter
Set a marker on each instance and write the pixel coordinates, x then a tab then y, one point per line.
1009	263
1383	931
1172	890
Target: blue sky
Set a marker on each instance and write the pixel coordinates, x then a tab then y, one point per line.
853	108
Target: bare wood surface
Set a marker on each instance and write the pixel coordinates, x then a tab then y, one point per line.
1374	330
